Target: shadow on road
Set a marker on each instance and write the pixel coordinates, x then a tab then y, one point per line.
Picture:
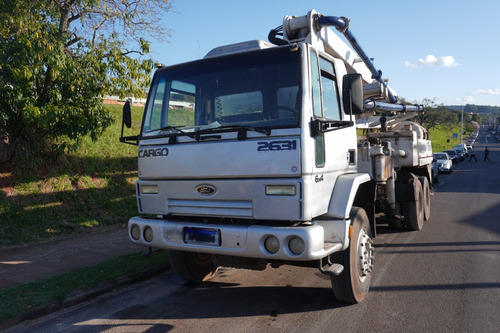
427	287
237	301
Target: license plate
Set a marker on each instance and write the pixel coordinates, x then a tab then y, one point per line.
202	236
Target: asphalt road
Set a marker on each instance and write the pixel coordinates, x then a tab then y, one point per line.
444	278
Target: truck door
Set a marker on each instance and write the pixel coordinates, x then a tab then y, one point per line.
335	147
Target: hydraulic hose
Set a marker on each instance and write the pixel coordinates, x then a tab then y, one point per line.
275	40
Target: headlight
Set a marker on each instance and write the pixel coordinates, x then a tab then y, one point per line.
149	189
281	190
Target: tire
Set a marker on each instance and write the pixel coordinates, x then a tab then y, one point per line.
414	210
427	197
352	285
436	178
192	266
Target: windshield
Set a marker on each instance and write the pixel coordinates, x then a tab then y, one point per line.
255	90
440	156
451	152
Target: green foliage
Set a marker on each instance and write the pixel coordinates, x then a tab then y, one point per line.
447	118
91	188
58	60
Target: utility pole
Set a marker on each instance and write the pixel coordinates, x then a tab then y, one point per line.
462	125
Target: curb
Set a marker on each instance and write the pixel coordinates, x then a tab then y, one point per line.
83	295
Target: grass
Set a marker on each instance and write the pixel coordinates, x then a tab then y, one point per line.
441	135
30	296
90	189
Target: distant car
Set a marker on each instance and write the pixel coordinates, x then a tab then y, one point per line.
460	153
463	149
452	153
444	162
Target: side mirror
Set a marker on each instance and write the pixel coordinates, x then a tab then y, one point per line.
127	121
352	94
127	115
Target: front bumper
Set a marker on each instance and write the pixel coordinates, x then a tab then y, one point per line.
445	167
243	240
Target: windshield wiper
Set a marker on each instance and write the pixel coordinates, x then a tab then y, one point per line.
169	127
173	137
262	130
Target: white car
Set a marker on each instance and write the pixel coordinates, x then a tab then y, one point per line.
444	162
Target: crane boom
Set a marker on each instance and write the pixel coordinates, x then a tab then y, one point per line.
311	29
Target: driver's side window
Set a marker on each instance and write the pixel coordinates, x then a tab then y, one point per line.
331	110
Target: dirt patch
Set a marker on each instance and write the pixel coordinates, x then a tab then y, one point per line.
7	177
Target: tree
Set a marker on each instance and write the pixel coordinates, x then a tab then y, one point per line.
58	58
433	115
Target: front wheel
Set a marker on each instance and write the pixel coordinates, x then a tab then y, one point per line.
192	266
352	285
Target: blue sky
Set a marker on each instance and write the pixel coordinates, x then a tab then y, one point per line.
445	50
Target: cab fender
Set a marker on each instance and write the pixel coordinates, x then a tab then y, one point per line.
354	189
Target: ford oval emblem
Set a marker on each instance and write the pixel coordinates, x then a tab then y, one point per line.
205	190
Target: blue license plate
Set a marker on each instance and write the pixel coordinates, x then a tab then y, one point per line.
202	236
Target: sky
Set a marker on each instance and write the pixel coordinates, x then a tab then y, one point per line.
442	50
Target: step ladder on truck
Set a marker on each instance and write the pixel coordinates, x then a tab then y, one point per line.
250	157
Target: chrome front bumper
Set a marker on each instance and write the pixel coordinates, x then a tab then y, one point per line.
240	240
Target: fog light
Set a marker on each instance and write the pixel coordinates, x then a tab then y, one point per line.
272	244
148	234
296	245
135	232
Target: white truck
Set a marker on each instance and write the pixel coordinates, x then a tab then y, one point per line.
250	156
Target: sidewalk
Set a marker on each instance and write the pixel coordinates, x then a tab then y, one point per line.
25	264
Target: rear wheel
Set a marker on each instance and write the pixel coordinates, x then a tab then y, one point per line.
414	210
192	266
427	197
353	283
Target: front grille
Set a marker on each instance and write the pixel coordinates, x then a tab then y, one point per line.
210	208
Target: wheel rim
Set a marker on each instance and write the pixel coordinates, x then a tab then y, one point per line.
365	255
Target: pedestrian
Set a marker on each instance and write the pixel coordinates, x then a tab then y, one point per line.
486	154
472	155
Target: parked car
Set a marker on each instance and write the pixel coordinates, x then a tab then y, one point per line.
463	148
444	162
460	153
452	153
